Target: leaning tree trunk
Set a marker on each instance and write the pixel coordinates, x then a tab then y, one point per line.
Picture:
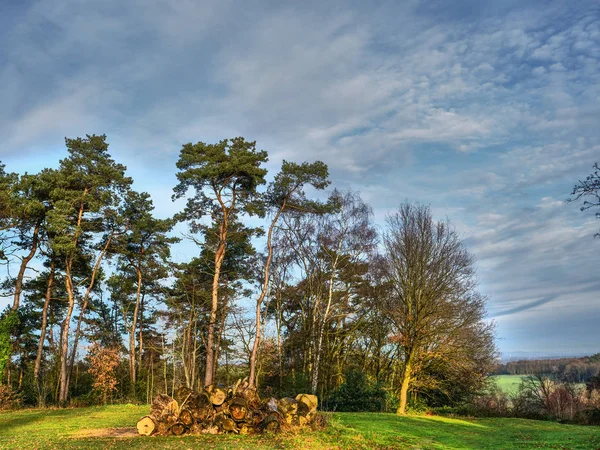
24	263
254	356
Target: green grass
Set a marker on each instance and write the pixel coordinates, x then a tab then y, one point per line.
70	429
509	384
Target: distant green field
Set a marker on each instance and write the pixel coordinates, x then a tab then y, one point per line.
113	427
508	383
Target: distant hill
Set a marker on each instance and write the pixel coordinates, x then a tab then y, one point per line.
518	356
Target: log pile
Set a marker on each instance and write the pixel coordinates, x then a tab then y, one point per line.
216	410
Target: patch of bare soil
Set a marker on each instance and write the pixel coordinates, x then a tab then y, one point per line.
107	433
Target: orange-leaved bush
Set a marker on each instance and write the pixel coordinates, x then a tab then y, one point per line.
103	362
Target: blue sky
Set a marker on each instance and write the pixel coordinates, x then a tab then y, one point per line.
487	112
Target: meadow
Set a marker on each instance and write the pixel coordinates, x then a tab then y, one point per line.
508	384
113	427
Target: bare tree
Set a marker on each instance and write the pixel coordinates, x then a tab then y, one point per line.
589	190
437	315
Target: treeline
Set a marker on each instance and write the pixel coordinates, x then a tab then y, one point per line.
325	297
577	370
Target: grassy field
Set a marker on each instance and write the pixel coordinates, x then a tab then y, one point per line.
96	428
508	383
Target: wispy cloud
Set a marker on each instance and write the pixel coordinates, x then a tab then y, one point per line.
486	110
524	306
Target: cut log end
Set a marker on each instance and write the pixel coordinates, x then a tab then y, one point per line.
238	412
177	429
311	401
217	396
186	417
146	426
238	408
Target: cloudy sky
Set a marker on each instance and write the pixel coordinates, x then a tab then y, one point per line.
489	113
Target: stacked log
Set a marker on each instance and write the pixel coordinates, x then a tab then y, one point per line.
217	410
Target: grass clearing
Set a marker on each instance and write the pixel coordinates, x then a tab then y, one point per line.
509	384
111	427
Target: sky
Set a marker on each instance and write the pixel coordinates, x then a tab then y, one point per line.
487	111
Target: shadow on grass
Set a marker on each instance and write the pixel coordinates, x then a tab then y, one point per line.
433	432
12	421
8	425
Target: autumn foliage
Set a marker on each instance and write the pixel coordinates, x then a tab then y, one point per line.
103	362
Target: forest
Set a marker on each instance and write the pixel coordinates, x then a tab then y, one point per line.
292	286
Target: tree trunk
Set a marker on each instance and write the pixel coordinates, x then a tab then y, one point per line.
24	263
40	350
406	379
64	339
132	373
188	353
321	327
219	256
195	356
173	377
140	333
64	335
253	357
221	330
164	357
279	349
